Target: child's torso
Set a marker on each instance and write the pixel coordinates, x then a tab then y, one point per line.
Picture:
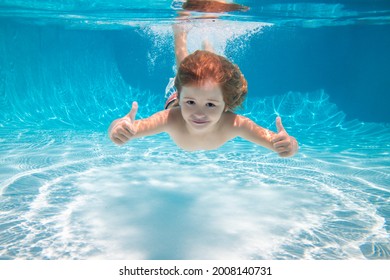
209	140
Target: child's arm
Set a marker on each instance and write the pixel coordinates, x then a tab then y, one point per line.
280	142
127	128
180	37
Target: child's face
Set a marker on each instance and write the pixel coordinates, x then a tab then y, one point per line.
202	106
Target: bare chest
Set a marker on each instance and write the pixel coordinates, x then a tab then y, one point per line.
191	142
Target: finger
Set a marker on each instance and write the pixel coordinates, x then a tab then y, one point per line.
279	124
116	140
126	134
127	129
281	144
284	154
125	126
279	137
133	111
122	137
283	150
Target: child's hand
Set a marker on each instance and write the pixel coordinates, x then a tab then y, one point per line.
123	129
284	144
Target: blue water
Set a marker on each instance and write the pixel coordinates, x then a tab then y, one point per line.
67	192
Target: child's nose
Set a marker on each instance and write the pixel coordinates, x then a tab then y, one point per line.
199	112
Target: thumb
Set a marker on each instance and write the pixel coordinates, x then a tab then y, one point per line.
279	124
133	111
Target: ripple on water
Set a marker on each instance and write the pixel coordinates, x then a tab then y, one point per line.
88	199
376	250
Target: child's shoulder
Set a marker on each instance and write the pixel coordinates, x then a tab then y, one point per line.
174	115
236	121
228	119
174	111
232	124
231	117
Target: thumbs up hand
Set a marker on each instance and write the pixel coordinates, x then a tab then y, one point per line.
123	129
284	144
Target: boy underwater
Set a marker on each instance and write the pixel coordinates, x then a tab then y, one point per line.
199	115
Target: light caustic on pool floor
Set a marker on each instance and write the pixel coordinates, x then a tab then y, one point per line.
149	200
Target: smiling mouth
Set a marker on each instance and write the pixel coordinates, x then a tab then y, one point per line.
199	122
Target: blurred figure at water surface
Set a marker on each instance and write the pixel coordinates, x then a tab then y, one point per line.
210	6
199	113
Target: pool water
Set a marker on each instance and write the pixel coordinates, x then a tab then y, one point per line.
67	192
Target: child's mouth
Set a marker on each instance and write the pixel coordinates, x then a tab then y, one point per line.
199	122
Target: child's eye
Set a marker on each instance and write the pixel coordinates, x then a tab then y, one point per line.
210	105
190	102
